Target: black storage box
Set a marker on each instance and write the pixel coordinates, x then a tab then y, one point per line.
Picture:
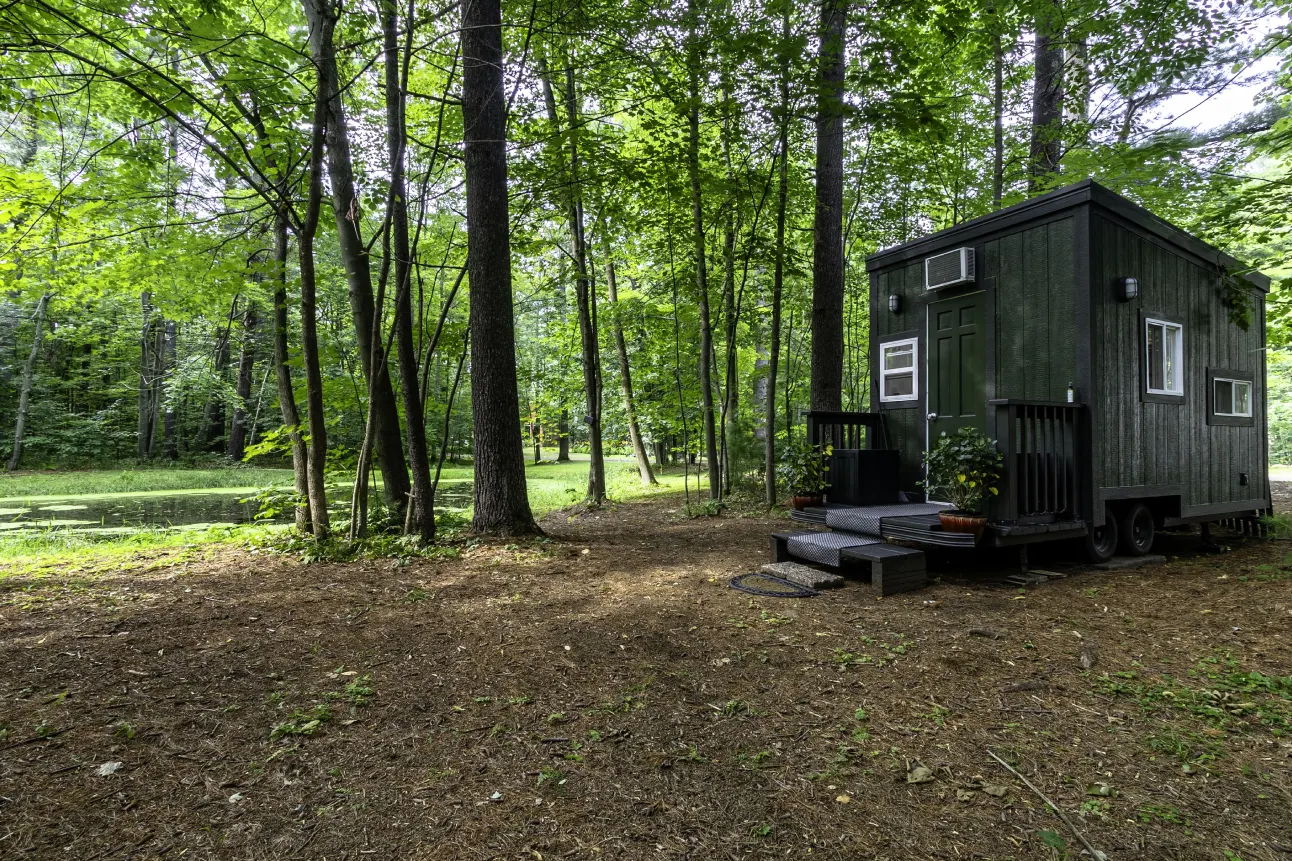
866	476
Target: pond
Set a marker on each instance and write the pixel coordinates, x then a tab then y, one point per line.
122	512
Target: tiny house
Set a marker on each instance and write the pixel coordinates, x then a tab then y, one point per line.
1118	362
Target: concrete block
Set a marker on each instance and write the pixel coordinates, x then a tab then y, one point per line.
803	575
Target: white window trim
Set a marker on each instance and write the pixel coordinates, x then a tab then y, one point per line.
884	373
1215	407
1179	358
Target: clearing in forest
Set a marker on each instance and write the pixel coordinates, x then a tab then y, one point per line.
603	694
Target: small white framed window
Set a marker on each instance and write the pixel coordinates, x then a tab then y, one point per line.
898	371
1231	397
1164	357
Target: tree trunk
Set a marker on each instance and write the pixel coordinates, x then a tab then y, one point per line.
1079	99
625	376
147	361
211	428
501	500
24	393
827	232
170	442
563	437
246	365
583	283
701	265
421	512
778	275
317	458
156	381
354	256
731	390
283	377
1047	96
998	113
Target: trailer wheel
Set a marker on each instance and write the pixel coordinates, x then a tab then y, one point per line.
1101	541
1137	530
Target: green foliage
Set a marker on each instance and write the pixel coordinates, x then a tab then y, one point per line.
963	468
1279	404
60	485
805	467
1217	698
139	176
302	723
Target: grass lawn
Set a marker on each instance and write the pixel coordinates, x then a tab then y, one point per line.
603	694
97	482
551	486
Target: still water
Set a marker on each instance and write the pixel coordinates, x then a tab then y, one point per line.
186	508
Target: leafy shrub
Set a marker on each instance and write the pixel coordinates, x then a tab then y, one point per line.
805	467
963	468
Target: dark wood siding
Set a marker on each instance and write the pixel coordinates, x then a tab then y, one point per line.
906	423
1028	275
1036	311
1169	447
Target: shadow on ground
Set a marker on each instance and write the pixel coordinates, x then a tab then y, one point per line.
604	695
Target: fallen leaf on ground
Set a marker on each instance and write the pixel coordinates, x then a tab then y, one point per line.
919	774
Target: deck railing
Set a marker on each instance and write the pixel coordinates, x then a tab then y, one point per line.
846	430
1041	441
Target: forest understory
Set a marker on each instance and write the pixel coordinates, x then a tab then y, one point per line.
602	693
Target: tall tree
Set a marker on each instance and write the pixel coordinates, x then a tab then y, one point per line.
1046	149
625	374
283	378
242	387
998	116
827	231
347	209
572	195
24	391
314	409
778	261
420	518
693	61
501	502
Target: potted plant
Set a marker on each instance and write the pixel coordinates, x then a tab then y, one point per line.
804	469
963	468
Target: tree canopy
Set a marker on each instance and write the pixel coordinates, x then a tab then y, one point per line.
628	235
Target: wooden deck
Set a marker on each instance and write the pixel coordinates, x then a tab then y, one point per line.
927	529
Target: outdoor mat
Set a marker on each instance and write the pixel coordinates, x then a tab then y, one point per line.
758	583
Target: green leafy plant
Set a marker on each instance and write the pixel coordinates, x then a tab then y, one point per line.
302	723
805	467
1236	296
963	468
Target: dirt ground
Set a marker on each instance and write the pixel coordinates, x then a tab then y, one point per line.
604	694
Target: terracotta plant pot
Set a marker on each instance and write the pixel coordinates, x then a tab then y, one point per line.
798	503
963	521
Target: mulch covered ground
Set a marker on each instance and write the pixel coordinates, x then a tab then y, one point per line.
605	695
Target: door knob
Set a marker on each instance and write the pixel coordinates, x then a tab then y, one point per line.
931	416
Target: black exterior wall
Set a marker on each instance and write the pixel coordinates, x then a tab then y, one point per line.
1050	269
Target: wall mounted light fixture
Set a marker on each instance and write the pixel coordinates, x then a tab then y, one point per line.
895	303
1127	289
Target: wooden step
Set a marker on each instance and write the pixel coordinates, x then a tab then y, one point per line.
893	569
925	529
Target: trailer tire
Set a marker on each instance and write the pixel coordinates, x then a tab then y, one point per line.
1138	530
1101	541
